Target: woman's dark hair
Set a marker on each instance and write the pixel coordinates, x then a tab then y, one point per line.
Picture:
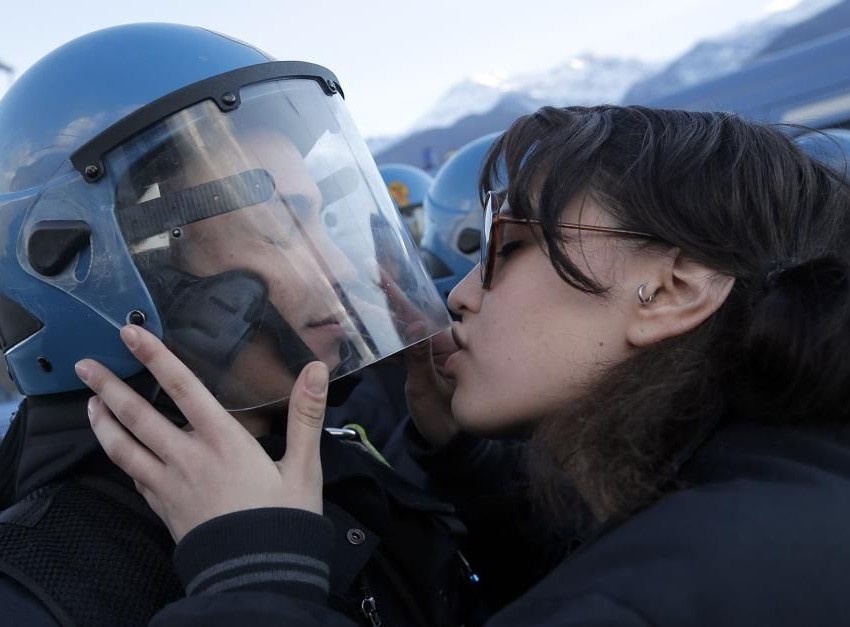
736	196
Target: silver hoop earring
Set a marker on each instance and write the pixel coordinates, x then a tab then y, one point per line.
643	299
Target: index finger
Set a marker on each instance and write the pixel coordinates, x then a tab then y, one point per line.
196	403
402	306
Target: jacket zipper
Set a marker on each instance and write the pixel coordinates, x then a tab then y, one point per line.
368	606
470	575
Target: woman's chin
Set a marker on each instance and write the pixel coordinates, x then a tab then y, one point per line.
489	422
474	418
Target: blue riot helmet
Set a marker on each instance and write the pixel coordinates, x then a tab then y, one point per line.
453	216
829	146
407	186
175	178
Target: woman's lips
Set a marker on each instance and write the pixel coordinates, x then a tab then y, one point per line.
456	337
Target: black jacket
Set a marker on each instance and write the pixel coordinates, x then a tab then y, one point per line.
377	402
383	544
758	538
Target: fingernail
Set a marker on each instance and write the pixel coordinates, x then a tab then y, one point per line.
130	335
317	378
420	347
82	371
91	406
414	329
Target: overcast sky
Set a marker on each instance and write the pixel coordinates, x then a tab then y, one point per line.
395	59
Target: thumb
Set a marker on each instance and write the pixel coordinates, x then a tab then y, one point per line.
306	415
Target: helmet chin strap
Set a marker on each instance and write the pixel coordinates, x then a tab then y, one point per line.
208	321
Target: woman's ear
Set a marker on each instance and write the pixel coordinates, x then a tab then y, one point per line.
679	296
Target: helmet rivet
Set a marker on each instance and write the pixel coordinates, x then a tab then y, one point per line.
44	364
136	317
92	171
176	233
332	87
229	99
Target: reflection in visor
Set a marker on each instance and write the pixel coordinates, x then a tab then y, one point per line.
159	215
338	185
211	319
260	257
414	219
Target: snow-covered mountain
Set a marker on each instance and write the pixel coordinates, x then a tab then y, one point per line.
489	102
582	80
377	144
722	55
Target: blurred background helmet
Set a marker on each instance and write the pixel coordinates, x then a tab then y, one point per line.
407	186
453	216
830	146
176	178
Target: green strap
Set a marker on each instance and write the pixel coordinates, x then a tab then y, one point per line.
364	440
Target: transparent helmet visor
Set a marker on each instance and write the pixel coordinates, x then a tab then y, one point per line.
266	239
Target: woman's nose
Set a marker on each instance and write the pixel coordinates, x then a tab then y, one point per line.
466	295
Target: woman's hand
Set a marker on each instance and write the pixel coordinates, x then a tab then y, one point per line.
190	477
429	393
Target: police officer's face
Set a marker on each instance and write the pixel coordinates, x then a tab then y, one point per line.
283	241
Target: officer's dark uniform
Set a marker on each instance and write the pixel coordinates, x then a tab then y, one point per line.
79	546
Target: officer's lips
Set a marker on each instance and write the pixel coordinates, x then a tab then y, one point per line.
330	324
323	336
